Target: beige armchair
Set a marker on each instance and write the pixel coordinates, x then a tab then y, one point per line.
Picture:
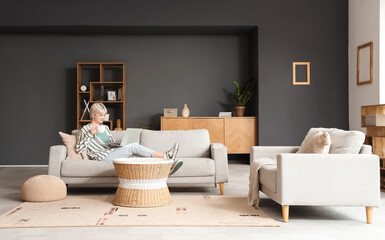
319	179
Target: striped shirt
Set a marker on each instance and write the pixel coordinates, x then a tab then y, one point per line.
92	145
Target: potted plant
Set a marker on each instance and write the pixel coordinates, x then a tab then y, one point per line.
242	95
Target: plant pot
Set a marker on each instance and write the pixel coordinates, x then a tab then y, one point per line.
239	111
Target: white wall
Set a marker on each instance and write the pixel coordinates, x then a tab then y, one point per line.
382	52
364	27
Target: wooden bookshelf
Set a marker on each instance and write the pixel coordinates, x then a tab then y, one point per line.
375	136
99	78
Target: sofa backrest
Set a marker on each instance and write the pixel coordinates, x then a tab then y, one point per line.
193	143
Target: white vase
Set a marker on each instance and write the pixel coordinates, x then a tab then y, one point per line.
185	111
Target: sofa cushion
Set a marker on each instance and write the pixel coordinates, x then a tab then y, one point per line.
70	142
192	167
195	167
87	168
268	176
193	143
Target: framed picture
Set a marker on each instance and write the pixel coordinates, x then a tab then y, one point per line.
307	66
111	95
365	64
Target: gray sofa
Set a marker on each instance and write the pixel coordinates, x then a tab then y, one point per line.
319	179
204	163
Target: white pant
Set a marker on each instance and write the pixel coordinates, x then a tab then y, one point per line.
127	151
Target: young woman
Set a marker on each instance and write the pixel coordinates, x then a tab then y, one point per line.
96	141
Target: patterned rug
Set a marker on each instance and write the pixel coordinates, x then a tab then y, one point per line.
98	211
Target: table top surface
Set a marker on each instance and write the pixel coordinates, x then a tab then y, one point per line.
142	161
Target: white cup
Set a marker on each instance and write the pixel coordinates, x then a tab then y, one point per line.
106	117
100	129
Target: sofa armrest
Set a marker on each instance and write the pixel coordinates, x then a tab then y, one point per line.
270	152
57	154
219	154
328	179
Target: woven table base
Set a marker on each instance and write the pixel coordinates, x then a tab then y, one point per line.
142	182
142	198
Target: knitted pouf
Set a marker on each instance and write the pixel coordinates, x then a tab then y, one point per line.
43	188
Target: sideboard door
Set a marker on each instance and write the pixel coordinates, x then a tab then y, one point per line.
240	134
215	126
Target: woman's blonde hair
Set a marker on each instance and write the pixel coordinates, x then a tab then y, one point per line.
97	108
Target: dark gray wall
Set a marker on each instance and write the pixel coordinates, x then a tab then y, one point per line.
162	71
295	30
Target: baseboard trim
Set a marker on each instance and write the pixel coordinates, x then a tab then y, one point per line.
23	165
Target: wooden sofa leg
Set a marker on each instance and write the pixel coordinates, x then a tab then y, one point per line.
369	214
216	185
285	213
222	187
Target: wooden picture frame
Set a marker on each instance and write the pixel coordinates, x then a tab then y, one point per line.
307	64
363	61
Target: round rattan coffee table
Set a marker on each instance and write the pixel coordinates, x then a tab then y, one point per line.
142	182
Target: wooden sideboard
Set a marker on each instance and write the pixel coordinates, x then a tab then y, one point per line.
238	134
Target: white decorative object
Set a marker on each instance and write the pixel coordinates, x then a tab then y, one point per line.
106	117
185	111
170	112
86	108
83	88
100	129
111	95
225	114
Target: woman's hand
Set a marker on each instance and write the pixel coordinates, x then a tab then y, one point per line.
92	131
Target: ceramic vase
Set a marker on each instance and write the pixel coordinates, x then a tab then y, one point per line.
185	111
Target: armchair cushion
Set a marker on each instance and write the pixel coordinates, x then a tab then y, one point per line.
268	176
347	142
317	143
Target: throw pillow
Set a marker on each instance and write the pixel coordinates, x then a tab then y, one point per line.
348	142
316	143
70	142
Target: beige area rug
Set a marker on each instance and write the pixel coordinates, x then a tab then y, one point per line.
98	210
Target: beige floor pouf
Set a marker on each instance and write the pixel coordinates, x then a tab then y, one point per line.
43	188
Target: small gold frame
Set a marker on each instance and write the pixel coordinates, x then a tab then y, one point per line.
369	44
307	64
